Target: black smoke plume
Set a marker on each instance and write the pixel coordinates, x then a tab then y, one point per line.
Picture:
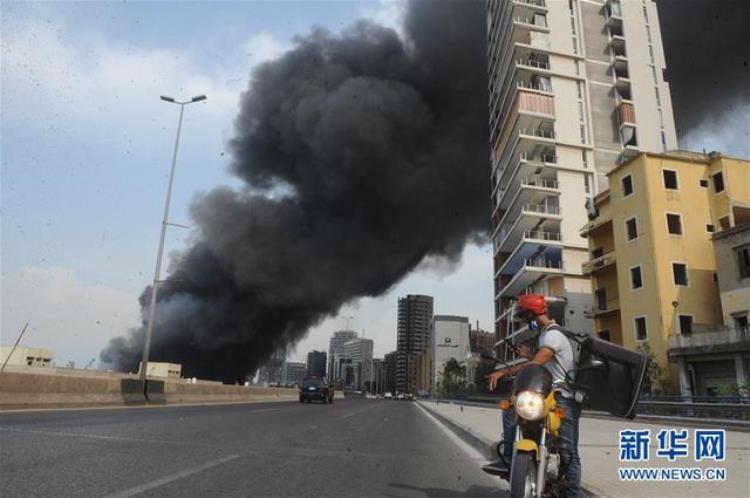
707	47
362	154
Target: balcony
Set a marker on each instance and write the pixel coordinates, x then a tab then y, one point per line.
620	64
706	339
617	42
530	272
524	220
532	189
602	309
626	114
532	244
597	264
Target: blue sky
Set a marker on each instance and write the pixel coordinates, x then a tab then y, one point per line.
86	145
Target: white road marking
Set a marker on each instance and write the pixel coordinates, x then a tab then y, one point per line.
472	453
171	478
94	436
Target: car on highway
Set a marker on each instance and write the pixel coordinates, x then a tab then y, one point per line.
388	395
315	388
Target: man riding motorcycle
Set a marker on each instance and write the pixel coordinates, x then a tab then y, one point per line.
555	353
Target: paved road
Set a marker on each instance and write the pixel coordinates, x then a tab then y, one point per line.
350	448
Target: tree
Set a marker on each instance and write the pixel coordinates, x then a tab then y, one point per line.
654	383
454	378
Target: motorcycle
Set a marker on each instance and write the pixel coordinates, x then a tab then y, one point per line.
535	469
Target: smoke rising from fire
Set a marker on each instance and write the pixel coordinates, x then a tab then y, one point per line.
362	154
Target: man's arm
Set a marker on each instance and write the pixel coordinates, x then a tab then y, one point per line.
542	356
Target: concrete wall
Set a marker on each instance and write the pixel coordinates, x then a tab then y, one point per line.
33	389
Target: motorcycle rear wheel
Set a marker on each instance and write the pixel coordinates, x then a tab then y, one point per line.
523	475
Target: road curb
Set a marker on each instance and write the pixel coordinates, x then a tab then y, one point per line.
480	444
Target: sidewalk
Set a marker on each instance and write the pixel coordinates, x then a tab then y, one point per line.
599	450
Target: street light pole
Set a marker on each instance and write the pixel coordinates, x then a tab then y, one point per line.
164	223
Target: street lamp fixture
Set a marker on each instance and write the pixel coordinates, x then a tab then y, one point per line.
165	222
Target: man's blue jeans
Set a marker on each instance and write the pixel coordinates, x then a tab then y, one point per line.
568	442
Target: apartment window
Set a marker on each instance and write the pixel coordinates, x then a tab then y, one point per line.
636	278
670	179
710	228
743	260
583	134
674	224
584	159
597	253
680	274
740	321
658	98
718	182
641	330
704	183
540	20
631	229
686	324
724	222
627	185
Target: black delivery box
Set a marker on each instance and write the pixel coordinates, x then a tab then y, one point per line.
611	376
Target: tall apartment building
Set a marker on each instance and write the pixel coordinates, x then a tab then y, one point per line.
576	87
667	260
292	373
358	353
414	316
389	365
316	363
336	352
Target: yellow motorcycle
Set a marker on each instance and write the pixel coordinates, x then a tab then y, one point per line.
535	468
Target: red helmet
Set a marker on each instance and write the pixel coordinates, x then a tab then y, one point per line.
534	303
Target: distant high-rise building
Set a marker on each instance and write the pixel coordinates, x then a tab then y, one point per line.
292	373
336	353
389	365
358	352
449	338
481	341
270	372
414	316
575	89
379	376
316	363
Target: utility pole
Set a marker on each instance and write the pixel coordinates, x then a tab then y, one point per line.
14	347
164	223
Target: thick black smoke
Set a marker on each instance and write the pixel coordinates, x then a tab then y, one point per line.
707	46
362	154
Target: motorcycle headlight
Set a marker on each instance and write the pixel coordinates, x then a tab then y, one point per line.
530	405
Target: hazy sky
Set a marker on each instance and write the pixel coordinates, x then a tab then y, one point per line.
86	145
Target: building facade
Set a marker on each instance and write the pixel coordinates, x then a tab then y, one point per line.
358	353
389	364
25	356
379	376
414	317
336	354
653	265
316	363
449	338
292	373
576	87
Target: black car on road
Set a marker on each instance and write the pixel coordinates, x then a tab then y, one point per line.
315	388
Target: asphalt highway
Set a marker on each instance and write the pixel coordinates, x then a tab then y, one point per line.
354	447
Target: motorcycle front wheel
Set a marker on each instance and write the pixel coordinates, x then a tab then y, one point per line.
523	475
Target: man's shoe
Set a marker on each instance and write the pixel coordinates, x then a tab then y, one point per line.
497	468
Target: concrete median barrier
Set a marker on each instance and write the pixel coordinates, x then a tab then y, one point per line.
56	388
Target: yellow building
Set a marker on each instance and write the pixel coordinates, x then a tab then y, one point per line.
653	266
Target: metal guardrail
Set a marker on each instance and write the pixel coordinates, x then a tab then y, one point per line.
711	407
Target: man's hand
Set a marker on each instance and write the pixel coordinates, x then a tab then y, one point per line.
495	377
